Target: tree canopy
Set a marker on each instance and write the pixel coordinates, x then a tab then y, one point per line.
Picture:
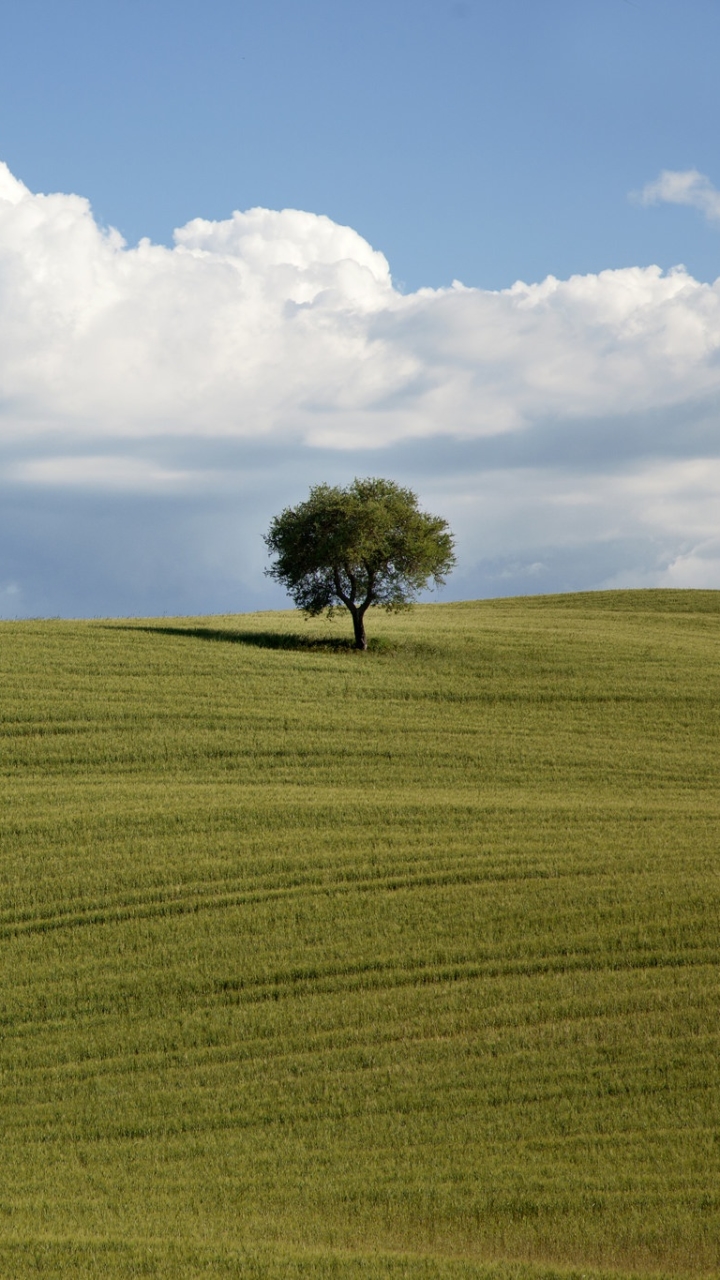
364	545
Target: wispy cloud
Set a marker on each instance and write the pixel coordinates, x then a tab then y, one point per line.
684	186
102	472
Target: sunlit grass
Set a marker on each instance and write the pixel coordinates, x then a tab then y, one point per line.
319	963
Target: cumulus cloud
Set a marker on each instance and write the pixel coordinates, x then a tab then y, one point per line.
569	428
284	324
684	186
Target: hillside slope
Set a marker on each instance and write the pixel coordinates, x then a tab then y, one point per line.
401	964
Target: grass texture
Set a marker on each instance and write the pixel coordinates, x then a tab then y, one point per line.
319	964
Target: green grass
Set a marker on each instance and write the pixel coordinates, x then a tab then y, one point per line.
401	964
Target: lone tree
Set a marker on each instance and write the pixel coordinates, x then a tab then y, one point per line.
364	545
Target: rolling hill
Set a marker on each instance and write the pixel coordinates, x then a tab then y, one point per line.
398	964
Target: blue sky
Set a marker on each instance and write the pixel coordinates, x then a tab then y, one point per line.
483	141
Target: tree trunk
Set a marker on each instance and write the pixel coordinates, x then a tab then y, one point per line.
358	618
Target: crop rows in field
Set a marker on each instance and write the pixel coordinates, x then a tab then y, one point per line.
328	964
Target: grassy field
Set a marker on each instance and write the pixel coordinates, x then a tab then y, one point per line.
401	964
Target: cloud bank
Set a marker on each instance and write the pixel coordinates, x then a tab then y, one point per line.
158	404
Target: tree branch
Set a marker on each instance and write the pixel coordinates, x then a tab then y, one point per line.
345	599
370	588
353	584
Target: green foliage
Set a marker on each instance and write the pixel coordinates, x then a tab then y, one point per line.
365	545
406	966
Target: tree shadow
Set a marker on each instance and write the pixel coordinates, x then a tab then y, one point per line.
257	639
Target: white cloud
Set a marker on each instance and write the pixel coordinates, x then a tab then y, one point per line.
511	512
684	186
699	568
569	428
103	472
285	325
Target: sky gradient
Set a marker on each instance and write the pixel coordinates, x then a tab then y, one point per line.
475	288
